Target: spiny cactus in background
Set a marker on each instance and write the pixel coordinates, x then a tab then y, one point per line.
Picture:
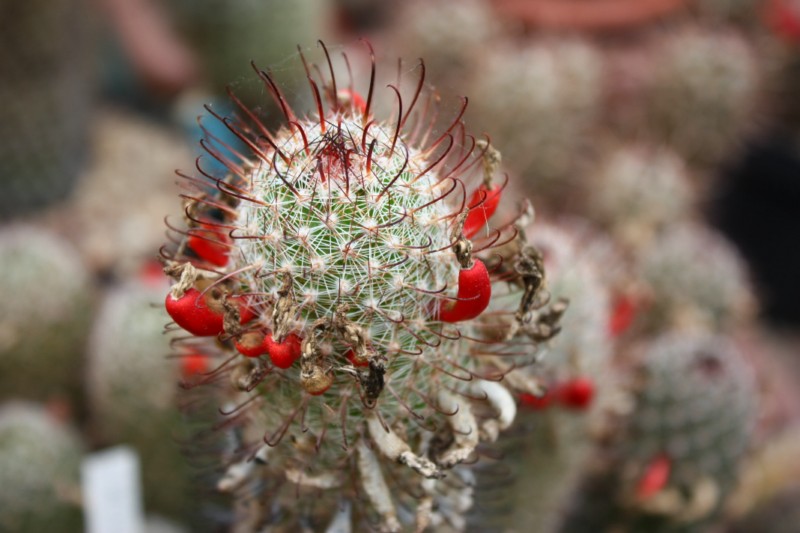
546	450
46	95
228	35
342	264
637	191
44	314
132	387
449	34
39	471
670	463
695	279
701	97
539	102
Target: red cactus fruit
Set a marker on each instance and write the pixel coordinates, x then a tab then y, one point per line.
482	206
474	293
211	243
576	393
283	354
251	344
654	478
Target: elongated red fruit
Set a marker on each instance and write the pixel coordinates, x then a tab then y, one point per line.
474	293
655	477
193	313
251	344
482	206
351	356
534	402
353	98
283	354
210	243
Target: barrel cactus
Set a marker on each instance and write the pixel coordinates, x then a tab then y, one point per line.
342	266
39	471
670	463
44	315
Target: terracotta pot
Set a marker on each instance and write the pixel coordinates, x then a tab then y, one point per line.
588	15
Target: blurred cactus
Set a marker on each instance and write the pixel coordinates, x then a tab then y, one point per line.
695	280
337	259
637	191
132	387
539	102
670	463
701	97
39	472
448	34
228	35
546	450
46	94
44	315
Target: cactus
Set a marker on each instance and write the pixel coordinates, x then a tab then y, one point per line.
344	259
44	315
132	388
547	449
701	97
448	34
228	35
540	102
670	463
47	95
39	471
712	292
637	191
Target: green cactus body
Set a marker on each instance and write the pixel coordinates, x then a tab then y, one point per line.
701	97
712	293
132	387
541	102
39	470
637	191
44	315
674	459
344	240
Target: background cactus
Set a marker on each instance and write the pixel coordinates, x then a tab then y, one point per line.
539	101
39	471
133	387
637	191
712	293
45	61
44	314
671	462
701	98
337	261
